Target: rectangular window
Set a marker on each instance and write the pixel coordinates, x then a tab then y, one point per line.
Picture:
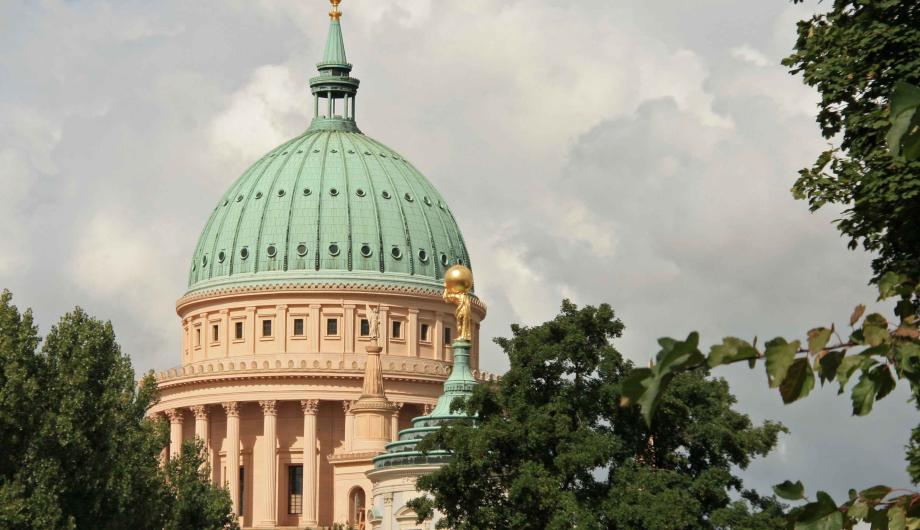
197	336
267	328
332	326
397	329
424	332
298	327
295	489
238	330
241	502
365	328
214	333
446	335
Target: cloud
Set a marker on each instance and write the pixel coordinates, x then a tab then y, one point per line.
635	153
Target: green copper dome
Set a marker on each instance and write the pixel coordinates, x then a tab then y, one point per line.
329	206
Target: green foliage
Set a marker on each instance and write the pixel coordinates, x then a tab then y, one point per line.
904	135
79	451
858	54
198	504
550	448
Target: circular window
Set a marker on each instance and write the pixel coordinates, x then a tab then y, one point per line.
306	191
334	249
258	195
333	151
299	151
244	252
281	193
301	250
239	198
368	153
396	253
444	259
272	251
422	255
221	256
204	260
427	201
359	192
226	202
351	152
316	150
333	192
409	197
366	250
284	153
440	205
194	266
385	194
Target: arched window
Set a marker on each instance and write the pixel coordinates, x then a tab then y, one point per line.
356	503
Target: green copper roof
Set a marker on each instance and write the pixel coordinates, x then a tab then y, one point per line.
459	384
329	206
335	47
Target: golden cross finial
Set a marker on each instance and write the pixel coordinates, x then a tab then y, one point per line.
335	14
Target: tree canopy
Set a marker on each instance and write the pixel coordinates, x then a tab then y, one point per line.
551	448
78	449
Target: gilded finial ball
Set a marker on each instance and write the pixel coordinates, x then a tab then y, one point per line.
458	279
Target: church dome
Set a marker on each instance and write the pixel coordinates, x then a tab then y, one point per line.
330	206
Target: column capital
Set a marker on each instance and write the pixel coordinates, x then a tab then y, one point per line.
413	311
346	406
174	415
281	307
269	407
232	408
397	406
388	499
200	411
309	406
426	409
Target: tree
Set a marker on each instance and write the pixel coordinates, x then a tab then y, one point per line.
78	450
856	54
198	505
550	448
860	56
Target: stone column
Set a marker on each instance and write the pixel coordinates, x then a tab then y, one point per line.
388	511
349	424
314	318
394	422
225	331
233	452
270	464
175	431
201	430
310	477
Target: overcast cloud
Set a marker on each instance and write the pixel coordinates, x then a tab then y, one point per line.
638	153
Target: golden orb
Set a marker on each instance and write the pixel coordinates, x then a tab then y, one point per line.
458	279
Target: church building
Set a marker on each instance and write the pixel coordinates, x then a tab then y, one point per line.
317	332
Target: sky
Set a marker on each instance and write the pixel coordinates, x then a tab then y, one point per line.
634	153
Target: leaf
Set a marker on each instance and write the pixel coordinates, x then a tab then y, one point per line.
888	284
858	510
828	365
780	355
904	134
730	351
897	518
875	493
875	330
863	395
884	382
822	514
857	314
817	339
799	381
789	490
644	386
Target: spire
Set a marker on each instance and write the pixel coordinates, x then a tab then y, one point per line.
335	45
334	82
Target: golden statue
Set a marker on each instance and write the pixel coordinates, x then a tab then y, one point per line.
335	14
458	282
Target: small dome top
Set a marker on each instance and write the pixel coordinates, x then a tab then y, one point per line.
329	206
